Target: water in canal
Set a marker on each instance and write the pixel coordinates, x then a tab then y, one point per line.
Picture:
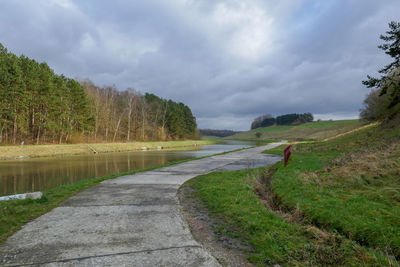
38	174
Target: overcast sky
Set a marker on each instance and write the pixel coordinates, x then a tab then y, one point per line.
229	61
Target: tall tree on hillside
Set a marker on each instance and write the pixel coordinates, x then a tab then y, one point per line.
131	98
158	113
389	82
80	109
60	113
12	94
3	91
190	123
44	101
16	96
95	102
30	69
263	121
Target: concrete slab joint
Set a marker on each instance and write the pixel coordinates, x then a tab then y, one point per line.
134	220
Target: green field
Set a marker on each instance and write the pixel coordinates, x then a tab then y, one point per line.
317	130
337	203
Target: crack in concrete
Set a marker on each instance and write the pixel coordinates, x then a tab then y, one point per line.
122	205
126	215
104	255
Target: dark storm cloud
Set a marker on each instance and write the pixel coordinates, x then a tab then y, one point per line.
230	61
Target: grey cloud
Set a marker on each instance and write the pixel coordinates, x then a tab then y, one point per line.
230	61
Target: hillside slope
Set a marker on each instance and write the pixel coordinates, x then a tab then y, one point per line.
308	131
335	204
348	184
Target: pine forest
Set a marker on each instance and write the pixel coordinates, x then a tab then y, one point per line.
38	106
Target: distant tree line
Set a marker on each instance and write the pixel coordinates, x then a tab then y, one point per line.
219	133
39	106
287	119
263	121
383	102
294	118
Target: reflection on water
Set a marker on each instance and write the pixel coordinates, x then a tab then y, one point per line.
38	174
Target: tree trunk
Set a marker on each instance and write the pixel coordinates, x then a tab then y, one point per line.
129	127
38	136
129	119
164	121
143	122
116	130
15	127
33	123
1	134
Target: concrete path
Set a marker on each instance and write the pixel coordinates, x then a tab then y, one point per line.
134	220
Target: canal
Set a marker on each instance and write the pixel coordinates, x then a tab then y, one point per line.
39	174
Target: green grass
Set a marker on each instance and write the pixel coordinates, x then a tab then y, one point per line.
272	129
229	196
350	185
324	124
317	130
256	140
346	192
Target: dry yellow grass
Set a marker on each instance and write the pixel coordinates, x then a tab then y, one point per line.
318	130
12	152
352	131
373	164
362	171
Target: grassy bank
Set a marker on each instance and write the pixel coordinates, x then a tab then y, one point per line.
350	185
11	152
229	196
317	130
337	203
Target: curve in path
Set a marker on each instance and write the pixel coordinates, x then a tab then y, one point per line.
133	220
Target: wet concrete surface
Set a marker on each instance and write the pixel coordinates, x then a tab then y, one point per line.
133	220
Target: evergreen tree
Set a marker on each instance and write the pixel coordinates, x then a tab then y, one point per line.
15	96
389	82
80	110
40	106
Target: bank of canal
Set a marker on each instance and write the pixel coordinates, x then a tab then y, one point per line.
137	219
39	174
